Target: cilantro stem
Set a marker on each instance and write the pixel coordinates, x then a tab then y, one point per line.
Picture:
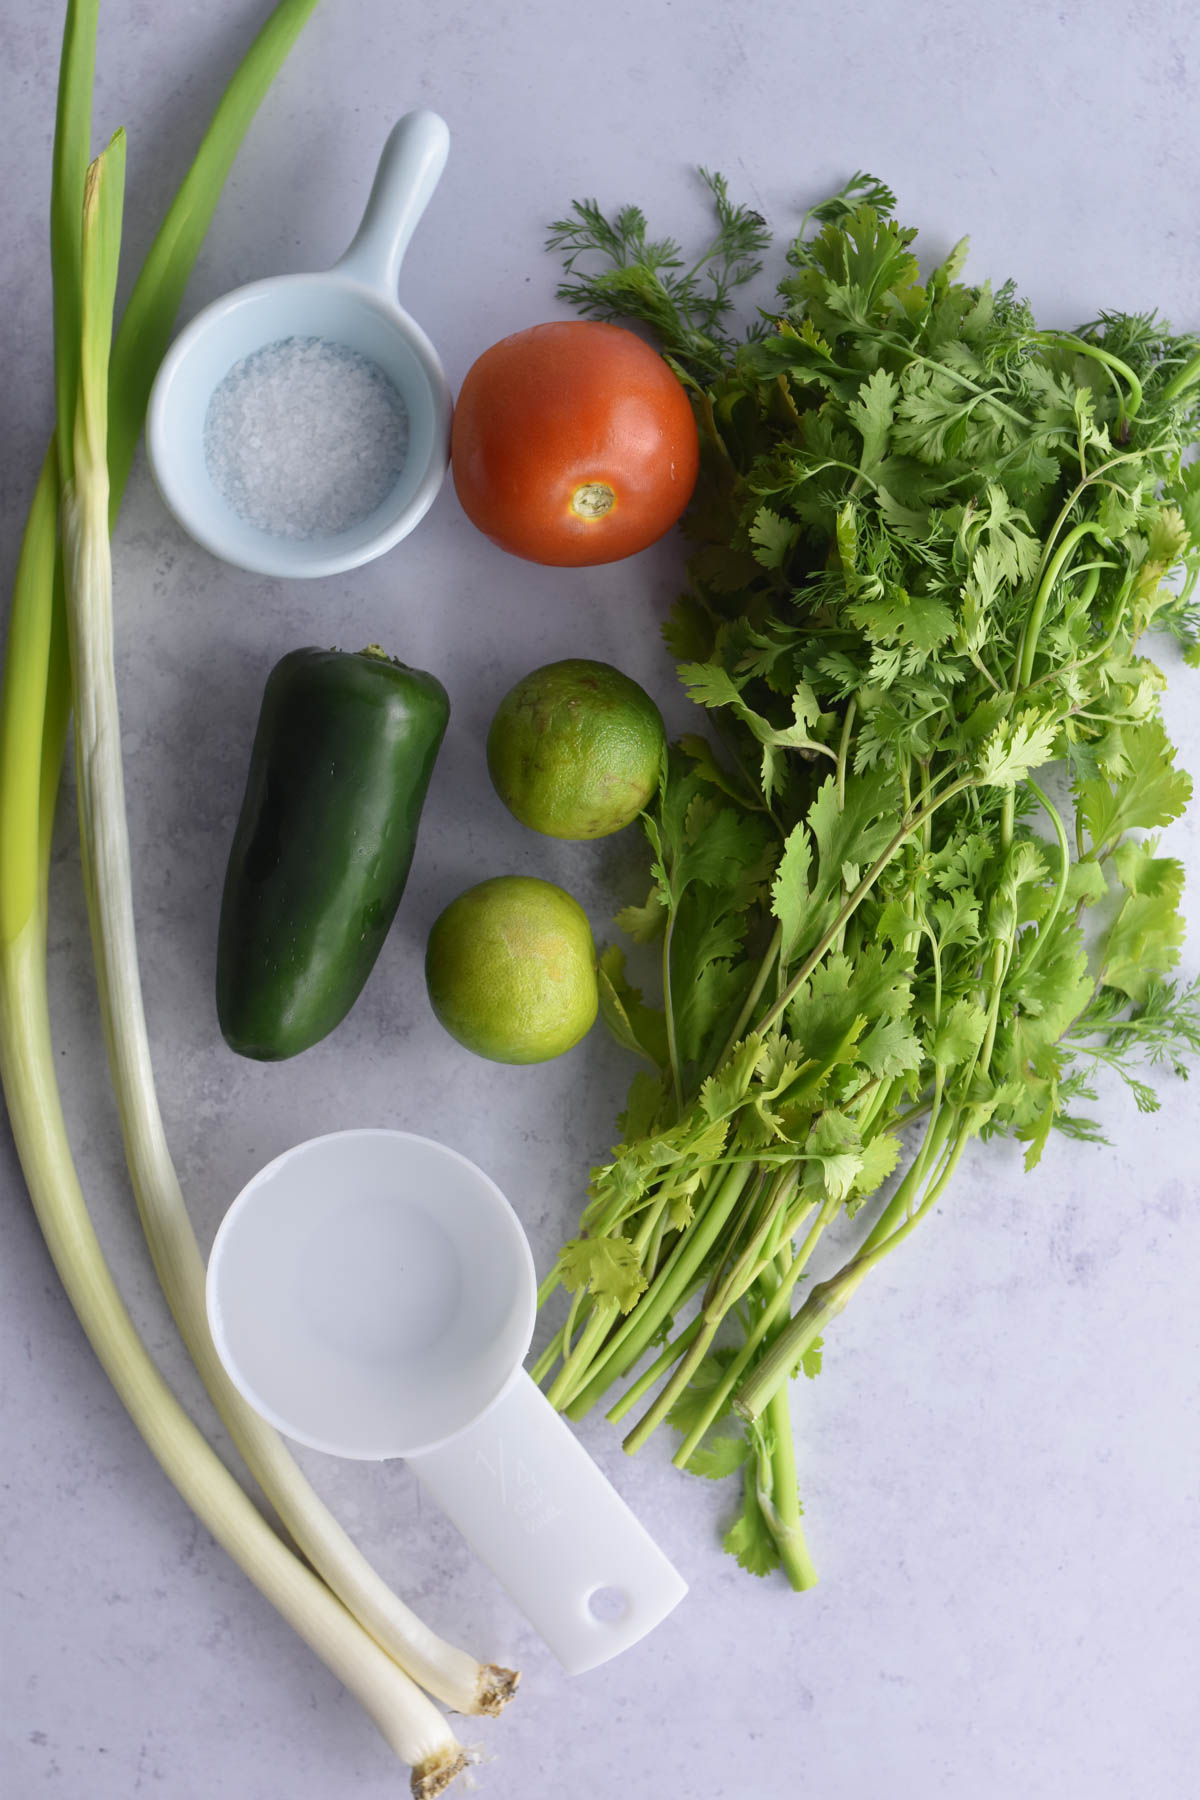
753	997
1064	871
549	1356
778	1492
666	1292
669	1014
785	1234
903	1120
926	787
1002	954
784	1511
875	1101
1031	631
830	1297
1068	340
820	1309
775	1309
1183	379
1081	662
568	1330
985	671
996	981
843	750
720	1298
657	1412
674	1350
717	1303
658	1231
1065	510
899	1207
577	1364
713	1292
548	1286
946	369
577	1360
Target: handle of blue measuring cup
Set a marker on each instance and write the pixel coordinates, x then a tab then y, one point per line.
409	170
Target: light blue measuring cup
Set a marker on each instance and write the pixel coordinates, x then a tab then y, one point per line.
354	305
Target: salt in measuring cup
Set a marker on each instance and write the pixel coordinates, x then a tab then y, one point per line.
354	306
372	1294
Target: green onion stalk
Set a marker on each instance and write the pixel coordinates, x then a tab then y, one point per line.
344	1610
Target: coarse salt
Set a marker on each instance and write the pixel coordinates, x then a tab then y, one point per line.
305	438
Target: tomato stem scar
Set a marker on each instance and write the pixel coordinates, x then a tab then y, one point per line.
592	500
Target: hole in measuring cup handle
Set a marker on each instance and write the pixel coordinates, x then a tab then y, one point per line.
607	1604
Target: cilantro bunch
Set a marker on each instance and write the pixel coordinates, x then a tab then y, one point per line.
903	899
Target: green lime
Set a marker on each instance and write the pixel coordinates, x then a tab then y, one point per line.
511	970
574	749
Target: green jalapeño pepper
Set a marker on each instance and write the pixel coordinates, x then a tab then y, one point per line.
341	762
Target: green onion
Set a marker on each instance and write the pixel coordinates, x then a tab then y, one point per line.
33	713
410	1723
449	1673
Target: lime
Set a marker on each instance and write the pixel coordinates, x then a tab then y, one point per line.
511	970
574	749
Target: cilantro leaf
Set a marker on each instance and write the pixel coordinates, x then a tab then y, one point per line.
1086	883
634	1024
719	1457
1016	748
749	1538
835	1156
607	1267
854	830
873	411
1152	793
724	1092
790	893
644	924
920	621
880	1155
1146	935
774	538
890	1048
959	1035
642	1107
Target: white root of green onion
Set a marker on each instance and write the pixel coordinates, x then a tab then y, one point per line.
366	1655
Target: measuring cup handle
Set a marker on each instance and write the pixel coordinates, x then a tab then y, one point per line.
532	1503
409	170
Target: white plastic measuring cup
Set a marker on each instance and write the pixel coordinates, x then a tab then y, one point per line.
372	1294
353	304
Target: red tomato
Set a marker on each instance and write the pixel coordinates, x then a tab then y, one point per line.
573	443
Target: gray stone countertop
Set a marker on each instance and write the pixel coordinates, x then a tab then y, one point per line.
1000	1460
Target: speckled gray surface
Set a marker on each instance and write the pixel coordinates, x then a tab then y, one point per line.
1000	1461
